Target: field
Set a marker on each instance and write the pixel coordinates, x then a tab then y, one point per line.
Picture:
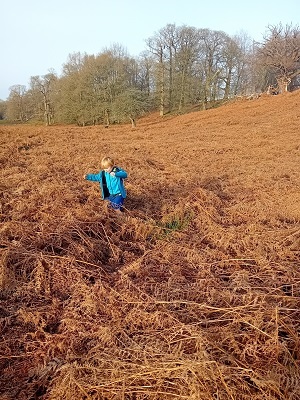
192	293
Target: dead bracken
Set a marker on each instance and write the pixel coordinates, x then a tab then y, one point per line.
192	293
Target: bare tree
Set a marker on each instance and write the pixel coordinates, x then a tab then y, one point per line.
43	85
186	57
170	38
113	74
74	63
130	104
78	99
16	103
211	64
157	47
230	56
145	79
3	107
280	54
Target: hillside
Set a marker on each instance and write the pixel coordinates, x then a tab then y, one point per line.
192	293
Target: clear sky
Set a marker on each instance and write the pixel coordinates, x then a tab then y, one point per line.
38	35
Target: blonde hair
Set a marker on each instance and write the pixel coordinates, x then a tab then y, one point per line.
107	162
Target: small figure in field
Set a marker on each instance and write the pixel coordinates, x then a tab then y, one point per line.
111	179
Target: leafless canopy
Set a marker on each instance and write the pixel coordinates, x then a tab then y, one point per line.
280	54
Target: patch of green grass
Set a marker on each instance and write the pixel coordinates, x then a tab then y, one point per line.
175	222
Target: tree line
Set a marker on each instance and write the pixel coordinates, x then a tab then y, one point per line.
181	67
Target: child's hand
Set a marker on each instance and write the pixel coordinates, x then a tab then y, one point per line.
84	176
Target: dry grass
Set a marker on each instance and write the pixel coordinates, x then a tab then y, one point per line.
193	294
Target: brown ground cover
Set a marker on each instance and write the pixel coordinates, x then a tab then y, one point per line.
193	293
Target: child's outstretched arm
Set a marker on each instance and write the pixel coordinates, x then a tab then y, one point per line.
93	177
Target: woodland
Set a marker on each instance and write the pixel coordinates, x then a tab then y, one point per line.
181	68
193	292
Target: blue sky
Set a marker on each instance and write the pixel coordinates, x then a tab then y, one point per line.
39	35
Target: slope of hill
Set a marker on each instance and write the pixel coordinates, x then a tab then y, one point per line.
192	293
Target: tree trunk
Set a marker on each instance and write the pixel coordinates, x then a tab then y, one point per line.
133	123
182	90
47	112
106	113
227	85
283	84
162	85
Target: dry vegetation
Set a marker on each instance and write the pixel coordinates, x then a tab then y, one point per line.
193	293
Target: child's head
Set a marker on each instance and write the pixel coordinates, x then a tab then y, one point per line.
107	163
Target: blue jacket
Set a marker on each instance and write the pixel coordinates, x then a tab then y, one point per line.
104	179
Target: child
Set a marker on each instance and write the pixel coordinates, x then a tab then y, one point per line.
111	183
